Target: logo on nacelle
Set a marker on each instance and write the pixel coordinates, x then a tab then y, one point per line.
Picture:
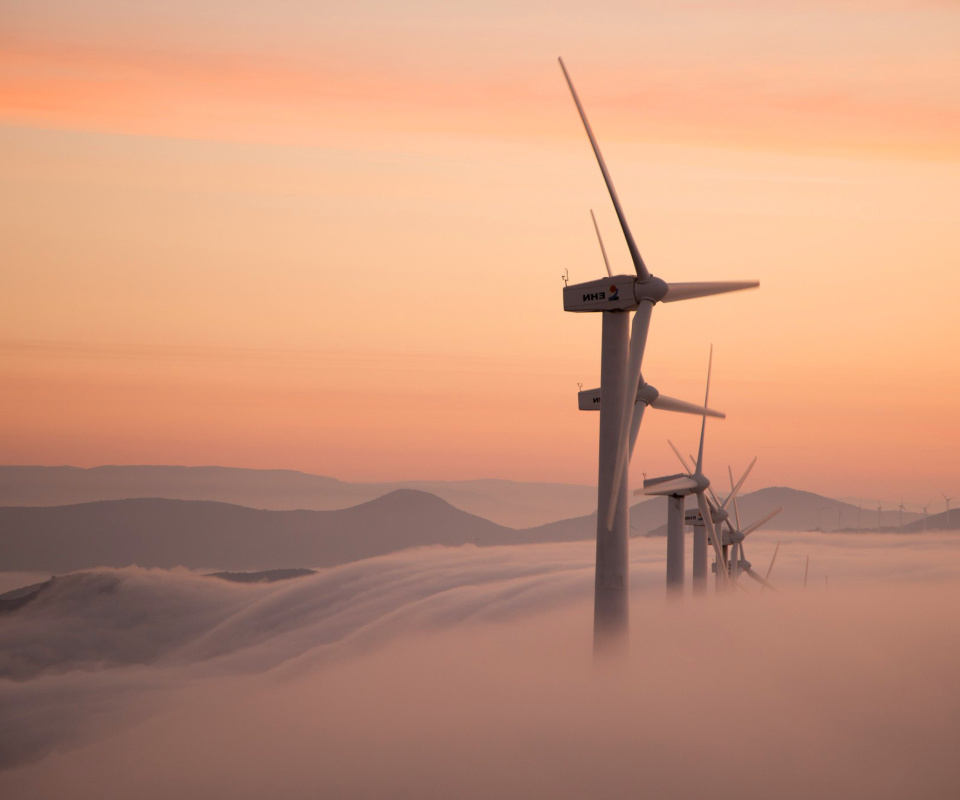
614	293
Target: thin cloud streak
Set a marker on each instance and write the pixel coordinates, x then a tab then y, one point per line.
908	106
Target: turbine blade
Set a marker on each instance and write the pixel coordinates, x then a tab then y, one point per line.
635	427
736	488
713	498
772	560
676	484
665	403
638	342
712	534
760	522
603	249
683	461
641	268
766	584
688	291
706	402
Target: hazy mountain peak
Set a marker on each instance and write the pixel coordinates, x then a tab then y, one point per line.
404	499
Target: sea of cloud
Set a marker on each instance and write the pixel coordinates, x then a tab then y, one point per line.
467	672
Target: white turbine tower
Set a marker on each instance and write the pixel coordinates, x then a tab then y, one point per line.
620	380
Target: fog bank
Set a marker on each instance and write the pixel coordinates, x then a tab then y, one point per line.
468	673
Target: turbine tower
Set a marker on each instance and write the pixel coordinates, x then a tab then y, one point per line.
620	380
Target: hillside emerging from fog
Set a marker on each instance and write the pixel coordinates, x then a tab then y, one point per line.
154	532
511	503
203	534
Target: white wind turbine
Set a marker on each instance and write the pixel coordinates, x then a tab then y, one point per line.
731	560
948	499
621	380
738	560
677	487
647	395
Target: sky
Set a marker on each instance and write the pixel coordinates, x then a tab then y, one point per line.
444	672
332	237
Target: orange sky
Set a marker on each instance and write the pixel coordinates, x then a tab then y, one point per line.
332	240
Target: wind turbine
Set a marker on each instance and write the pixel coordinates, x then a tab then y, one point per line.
707	524
948	499
592	400
676	488
925	516
620	380
739	561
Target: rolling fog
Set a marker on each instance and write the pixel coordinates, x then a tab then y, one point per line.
466	672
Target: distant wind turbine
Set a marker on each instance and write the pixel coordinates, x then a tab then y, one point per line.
675	488
739	561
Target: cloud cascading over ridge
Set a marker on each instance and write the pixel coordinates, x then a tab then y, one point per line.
462	671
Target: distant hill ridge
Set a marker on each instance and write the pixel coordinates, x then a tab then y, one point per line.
511	503
204	534
156	532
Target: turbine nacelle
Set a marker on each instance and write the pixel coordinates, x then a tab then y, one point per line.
676	485
718	515
619	293
592	400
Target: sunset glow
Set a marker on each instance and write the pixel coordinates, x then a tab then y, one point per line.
332	239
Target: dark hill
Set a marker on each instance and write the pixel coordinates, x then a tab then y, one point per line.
511	503
201	534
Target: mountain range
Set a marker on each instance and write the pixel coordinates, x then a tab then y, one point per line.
513	504
205	534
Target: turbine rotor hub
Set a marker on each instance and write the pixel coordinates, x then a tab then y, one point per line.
646	394
652	289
